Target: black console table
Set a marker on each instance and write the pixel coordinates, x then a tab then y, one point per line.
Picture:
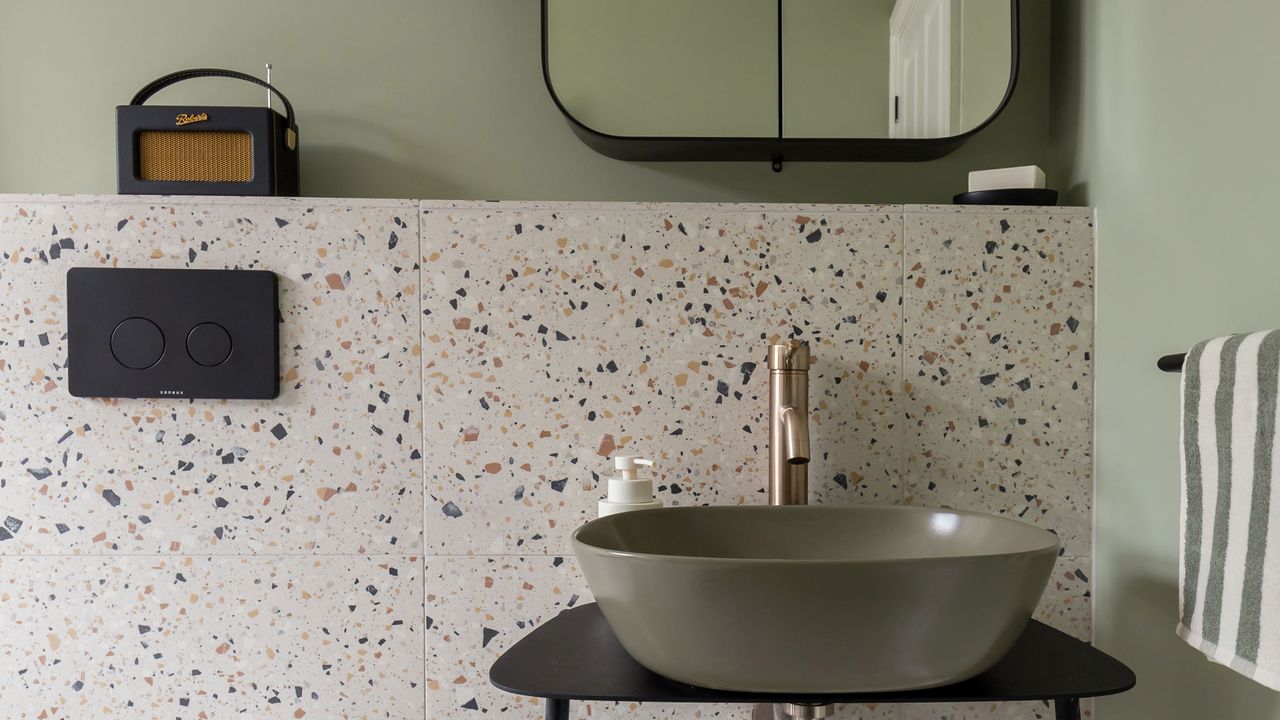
575	656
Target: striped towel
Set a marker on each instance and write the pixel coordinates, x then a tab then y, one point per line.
1230	549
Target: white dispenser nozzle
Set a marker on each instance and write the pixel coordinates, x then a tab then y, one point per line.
631	490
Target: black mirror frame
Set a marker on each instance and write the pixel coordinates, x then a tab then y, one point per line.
776	149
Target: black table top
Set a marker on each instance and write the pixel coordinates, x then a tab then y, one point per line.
575	656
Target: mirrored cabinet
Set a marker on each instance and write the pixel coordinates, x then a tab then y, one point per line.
779	80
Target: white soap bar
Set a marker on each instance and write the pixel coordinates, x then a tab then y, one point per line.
1027	176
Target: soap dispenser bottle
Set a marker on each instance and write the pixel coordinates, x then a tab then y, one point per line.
630	490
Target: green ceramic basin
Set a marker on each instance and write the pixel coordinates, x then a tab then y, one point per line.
814	599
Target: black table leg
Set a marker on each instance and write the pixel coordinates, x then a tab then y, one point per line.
558	709
1063	709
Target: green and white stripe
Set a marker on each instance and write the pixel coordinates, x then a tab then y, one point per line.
1230	583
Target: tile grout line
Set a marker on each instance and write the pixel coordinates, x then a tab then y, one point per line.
370	556
422	460
901	711
902	360
1093	437
873	209
161	555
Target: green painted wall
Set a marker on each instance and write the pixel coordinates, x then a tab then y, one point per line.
1164	118
403	98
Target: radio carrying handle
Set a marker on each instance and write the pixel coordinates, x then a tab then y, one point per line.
160	83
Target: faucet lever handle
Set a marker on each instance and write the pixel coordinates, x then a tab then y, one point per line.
791	355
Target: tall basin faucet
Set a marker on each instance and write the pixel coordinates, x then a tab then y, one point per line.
789	423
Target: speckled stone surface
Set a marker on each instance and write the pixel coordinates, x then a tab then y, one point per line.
566	331
211	637
332	465
553	338
998	390
1067	600
456	375
998	368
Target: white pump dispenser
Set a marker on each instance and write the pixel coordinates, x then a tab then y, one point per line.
630	491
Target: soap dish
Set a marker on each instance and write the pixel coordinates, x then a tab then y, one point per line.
1011	196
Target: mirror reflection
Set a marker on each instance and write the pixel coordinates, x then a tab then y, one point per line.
849	68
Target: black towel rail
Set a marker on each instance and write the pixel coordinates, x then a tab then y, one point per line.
1171	363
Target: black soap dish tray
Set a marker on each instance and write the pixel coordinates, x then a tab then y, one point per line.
1011	196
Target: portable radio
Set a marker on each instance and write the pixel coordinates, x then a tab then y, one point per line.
205	149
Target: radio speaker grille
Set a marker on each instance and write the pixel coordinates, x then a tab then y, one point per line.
195	155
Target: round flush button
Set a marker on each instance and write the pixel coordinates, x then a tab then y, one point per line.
137	343
209	344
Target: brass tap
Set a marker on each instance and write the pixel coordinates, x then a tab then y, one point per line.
789	423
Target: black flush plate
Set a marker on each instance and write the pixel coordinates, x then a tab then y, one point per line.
172	333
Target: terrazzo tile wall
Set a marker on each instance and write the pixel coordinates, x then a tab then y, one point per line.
951	367
455	377
202	559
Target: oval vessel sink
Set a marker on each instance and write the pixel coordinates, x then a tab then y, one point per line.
814	599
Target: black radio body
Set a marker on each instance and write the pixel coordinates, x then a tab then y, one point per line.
205	150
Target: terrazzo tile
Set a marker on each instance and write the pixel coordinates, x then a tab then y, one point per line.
1064	211
478	607
552	332
998	367
1067	603
211	637
333	464
551	339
